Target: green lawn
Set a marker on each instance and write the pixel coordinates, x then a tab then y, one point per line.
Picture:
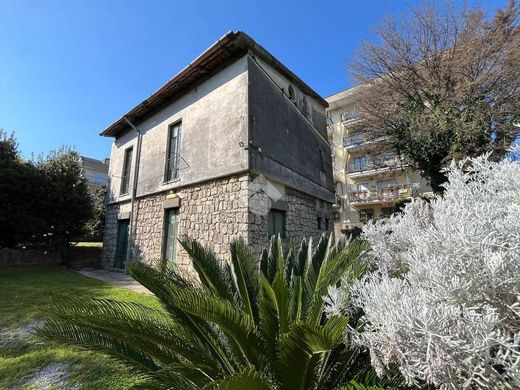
24	292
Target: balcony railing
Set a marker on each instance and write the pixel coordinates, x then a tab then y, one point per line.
375	163
387	194
336	206
349	116
357	140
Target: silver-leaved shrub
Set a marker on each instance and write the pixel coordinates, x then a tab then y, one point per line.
443	301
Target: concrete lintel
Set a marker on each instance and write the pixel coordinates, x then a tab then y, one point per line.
124	215
174	203
279	205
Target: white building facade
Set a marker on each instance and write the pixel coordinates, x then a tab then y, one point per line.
369	176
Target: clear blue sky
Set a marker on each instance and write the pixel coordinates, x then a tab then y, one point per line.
70	68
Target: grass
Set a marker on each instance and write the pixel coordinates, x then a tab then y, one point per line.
89	244
24	293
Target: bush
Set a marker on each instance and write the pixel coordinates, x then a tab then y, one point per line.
444	301
241	327
44	202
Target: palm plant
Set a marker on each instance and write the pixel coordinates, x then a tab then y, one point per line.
239	326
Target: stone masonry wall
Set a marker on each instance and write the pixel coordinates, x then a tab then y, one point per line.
110	236
213	213
301	215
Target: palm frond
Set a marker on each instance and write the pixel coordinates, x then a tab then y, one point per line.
211	271
246	272
248	379
272	261
302	351
269	323
346	262
353	385
237	325
92	340
319	257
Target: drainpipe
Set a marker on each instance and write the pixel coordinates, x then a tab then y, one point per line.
134	188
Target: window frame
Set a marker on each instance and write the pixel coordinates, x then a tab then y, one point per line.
271	217
124	188
390	183
388	211
177	125
364	211
363	166
165	234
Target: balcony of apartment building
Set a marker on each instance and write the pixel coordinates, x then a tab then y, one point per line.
386	192
363	141
374	164
338	204
350	116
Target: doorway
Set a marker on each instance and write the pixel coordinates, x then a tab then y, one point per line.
170	234
122	243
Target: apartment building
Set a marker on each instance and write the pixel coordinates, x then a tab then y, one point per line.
233	145
369	176
96	172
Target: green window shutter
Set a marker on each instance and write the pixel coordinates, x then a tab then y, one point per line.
171	229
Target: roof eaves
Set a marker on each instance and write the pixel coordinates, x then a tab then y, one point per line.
230	46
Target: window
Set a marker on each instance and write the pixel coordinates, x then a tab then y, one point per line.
276	223
319	223
172	157
360	163
362	187
171	223
326	224
386	211
354	139
381	184
366	215
349	114
125	175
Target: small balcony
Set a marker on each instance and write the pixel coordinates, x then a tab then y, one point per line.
365	166
363	140
383	195
337	205
350	116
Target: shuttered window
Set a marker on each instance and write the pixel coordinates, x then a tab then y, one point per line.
172	158
171	224
127	167
276	223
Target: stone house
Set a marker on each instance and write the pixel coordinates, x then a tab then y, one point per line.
233	145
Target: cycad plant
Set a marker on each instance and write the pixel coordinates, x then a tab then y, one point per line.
239	326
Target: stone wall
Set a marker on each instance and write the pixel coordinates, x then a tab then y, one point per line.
73	257
302	213
213	213
10	257
302	216
110	235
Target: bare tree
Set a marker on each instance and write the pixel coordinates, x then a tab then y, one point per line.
443	83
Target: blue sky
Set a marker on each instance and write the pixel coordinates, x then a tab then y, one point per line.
70	68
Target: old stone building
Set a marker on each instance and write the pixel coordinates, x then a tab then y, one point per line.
233	145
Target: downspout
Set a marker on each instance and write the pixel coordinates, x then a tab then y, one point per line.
134	188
